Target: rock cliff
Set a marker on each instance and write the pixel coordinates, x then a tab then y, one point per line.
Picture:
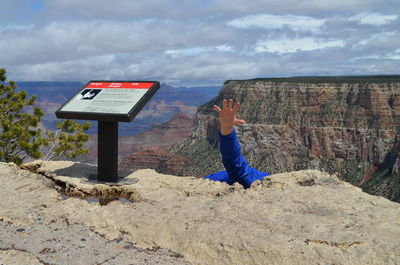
344	126
157	158
304	217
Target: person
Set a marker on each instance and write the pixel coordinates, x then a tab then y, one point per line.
236	167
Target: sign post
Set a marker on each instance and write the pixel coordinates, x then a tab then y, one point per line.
108	102
107	151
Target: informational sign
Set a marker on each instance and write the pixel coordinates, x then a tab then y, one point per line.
109	100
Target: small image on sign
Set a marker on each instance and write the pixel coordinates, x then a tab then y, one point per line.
89	94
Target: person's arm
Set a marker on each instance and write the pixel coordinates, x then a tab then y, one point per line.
235	164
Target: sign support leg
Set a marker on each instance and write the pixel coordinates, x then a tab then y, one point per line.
107	166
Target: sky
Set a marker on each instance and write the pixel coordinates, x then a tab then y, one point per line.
189	43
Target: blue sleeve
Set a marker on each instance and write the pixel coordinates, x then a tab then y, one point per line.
221	176
235	164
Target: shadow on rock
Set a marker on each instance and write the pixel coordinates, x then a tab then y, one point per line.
88	173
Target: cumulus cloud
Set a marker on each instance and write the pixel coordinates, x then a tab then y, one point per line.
61	41
195	42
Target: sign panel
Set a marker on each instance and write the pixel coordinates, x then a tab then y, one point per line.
109	100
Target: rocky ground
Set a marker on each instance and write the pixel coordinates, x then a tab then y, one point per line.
60	216
28	236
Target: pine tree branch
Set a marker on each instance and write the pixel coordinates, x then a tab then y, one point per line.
46	157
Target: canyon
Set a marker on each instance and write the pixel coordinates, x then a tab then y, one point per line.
342	125
347	126
167	102
142	150
315	136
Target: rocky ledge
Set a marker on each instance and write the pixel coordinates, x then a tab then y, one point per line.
302	217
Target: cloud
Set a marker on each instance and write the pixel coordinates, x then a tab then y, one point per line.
16	27
61	41
187	9
273	22
120	9
373	18
199	50
313	8
294	45
381	45
193	42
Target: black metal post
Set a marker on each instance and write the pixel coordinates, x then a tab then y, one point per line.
107	144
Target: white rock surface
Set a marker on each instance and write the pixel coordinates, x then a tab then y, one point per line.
28	236
304	217
16	257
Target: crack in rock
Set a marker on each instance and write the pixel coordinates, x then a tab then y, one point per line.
23	251
101	193
343	245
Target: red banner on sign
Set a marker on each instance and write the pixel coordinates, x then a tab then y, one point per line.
126	85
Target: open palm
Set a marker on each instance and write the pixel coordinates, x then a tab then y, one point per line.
227	116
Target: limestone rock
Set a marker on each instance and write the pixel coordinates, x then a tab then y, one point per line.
29	235
17	257
302	217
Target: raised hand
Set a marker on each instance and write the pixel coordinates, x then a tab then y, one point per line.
227	116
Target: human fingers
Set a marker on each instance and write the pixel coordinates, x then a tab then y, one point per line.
230	104
217	108
240	121
235	109
224	104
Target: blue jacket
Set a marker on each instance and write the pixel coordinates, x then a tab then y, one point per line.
237	169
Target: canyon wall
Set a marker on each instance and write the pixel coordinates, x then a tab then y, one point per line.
345	127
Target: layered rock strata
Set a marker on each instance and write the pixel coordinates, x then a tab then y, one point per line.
157	158
343	127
